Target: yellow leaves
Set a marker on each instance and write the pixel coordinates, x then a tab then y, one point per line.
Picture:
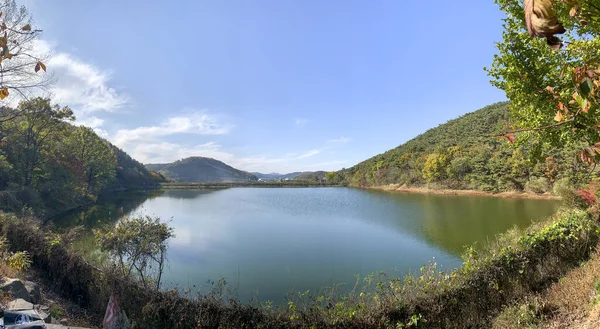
27	27
541	21
559	117
574	11
9	56
39	66
3	93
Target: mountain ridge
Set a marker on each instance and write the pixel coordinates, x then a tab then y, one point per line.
201	169
462	154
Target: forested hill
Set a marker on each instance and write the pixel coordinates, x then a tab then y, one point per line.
132	174
460	154
49	165
200	169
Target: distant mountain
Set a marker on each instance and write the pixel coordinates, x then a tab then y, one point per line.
311	176
200	169
276	176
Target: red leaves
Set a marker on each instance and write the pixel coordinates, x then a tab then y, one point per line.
511	138
587	197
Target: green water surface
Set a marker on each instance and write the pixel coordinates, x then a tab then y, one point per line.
268	242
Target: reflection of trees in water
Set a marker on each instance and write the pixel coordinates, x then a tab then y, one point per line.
452	222
106	211
189	194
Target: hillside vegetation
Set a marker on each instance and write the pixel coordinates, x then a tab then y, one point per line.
311	176
200	169
462	154
49	165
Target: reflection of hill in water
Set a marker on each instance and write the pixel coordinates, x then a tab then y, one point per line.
453	222
445	222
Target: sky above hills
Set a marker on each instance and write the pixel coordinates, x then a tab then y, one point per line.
268	85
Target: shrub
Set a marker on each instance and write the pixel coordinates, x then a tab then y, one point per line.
564	189
537	185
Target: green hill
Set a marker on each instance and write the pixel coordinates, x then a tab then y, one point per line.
311	176
200	169
461	154
130	173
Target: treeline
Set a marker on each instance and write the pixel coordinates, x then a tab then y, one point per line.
463	154
50	165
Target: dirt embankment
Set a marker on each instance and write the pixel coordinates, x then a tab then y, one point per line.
425	190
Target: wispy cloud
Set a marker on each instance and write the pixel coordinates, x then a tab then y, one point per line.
163	152
199	122
341	140
301	122
92	122
309	154
83	86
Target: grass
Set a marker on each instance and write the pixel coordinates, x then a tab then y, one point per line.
521	264
570	301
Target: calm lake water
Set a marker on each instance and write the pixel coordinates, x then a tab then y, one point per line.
269	241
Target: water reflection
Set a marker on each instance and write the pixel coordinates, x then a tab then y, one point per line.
277	240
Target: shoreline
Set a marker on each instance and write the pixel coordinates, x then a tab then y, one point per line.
425	190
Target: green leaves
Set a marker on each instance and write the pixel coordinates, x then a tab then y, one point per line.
586	86
568	111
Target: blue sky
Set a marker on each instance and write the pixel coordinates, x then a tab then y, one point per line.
268	85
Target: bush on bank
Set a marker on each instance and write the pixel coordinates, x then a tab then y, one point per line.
517	265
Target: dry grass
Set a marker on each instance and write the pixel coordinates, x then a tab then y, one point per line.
572	302
575	297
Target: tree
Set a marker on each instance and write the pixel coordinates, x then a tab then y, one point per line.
554	90
21	58
138	246
29	138
92	160
435	167
5	169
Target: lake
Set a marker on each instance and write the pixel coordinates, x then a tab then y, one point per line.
267	242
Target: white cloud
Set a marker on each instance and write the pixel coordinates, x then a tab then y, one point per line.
165	152
148	144
95	123
341	140
83	86
309	154
92	122
301	122
200	123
